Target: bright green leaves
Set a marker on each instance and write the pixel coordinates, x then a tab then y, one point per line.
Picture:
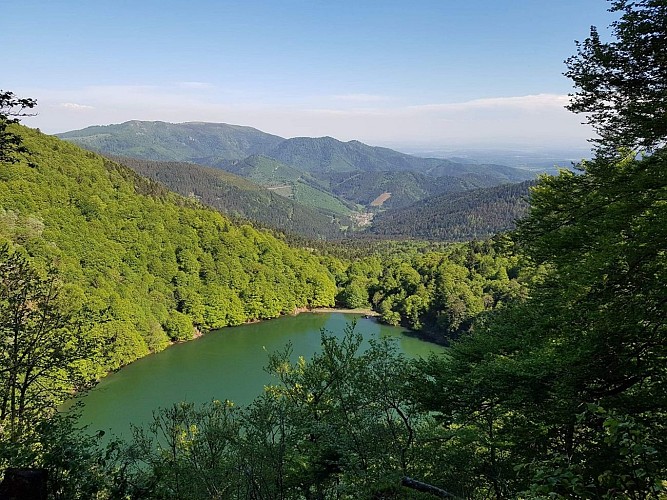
440	292
42	344
339	425
11	143
621	83
159	266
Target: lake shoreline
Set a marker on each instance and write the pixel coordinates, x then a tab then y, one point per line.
227	366
198	334
362	311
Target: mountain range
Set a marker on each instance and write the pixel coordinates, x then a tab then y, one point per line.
322	181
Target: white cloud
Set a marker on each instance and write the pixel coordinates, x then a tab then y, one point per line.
533	119
527	102
72	106
539	119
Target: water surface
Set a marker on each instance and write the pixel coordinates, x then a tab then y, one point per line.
224	364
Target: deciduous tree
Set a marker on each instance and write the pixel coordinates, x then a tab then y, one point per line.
622	83
41	344
11	108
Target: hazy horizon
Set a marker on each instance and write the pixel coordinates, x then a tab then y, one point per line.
430	74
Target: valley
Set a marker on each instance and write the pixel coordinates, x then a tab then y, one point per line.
179	283
227	364
335	182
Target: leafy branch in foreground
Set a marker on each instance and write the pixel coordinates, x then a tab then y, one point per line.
623	83
11	108
42	345
340	425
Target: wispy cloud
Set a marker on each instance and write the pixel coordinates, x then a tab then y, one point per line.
72	106
527	102
530	119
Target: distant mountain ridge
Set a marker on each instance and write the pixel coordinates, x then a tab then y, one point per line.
164	141
327	182
326	154
214	144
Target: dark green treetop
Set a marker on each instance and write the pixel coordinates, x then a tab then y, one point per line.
12	107
622	83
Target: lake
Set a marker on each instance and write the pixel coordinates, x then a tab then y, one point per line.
224	364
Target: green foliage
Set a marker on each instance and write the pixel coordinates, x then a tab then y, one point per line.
555	388
459	216
340	425
408	187
354	295
289	182
78	467
240	199
439	293
12	107
42	345
187	452
561	395
621	83
315	196
626	446
155	264
179	326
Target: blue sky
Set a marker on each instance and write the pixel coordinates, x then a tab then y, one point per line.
440	73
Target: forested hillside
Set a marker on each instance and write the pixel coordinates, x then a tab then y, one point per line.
404	188
241	199
290	182
468	215
157	266
553	386
200	142
326	154
438	292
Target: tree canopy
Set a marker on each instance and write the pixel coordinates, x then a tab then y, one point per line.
556	388
11	108
622	83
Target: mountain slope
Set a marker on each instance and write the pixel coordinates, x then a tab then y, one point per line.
215	143
404	188
288	181
326	154
239	197
323	173
193	141
263	170
154	266
475	214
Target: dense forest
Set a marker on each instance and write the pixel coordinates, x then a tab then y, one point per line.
458	216
552	387
241	199
157	267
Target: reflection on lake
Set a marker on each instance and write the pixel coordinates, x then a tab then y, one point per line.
225	364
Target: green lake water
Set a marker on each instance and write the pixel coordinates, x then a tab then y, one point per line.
225	364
